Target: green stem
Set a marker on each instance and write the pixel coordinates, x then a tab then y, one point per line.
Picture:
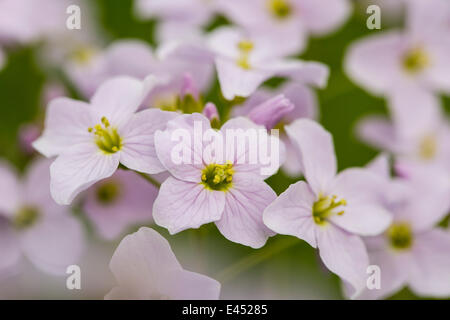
248	262
149	179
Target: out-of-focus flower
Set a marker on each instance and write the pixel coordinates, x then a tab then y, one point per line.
305	106
418	134
177	20
245	60
25	21
31	224
230	192
119	202
89	66
288	22
330	211
91	139
403	62
428	17
412	251
146	269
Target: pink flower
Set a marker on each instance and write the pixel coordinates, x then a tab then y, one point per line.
305	106
418	135
177	20
120	202
245	60
404	62
91	139
413	251
293	19
329	211
229	191
31	224
146	269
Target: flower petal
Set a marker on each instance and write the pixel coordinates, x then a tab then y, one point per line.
132	204
431	275
242	219
66	124
363	214
76	171
344	254
54	243
10	190
10	252
182	205
118	98
193	286
142	266
321	18
378	132
291	213
138	151
317	152
181	135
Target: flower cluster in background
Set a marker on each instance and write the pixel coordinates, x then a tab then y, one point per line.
87	175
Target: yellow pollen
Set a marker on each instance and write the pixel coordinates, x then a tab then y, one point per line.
325	207
218	176
400	236
245	47
106	137
428	147
281	9
415	60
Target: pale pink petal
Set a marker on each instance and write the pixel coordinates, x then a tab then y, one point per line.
242	219
118	98
313	73
431	275
79	169
245	143
316	149
188	285
236	81
66	124
344	254
375	62
36	189
142	266
177	148
393	274
10	190
323	17
130	57
378	132
54	243
138	152
132	204
10	252
291	213
182	205
304	100
380	166
363	213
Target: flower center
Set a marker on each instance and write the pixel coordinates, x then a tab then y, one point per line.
245	47
400	236
325	207
281	9
218	177
83	55
415	60
106	137
26	217
108	193
428	147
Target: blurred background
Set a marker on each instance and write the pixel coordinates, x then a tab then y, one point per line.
273	272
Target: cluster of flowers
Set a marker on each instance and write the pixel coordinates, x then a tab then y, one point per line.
105	152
